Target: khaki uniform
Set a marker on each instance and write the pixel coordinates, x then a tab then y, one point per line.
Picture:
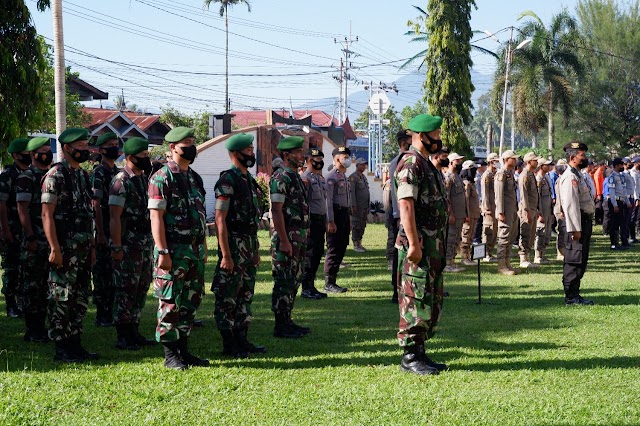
360	198
562	228
455	192
545	207
473	213
506	203
527	212
489	219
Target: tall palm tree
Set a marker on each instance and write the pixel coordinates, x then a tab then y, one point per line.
553	55
224	11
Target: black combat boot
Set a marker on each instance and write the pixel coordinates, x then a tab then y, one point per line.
415	361
296	327
103	319
35	331
172	356
231	346
283	328
13	311
139	338
246	345
125	339
81	352
189	359
330	285
64	353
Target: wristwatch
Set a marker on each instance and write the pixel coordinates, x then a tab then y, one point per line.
163	251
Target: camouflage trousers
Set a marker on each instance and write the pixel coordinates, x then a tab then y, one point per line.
179	291
359	223
489	232
103	291
421	291
287	270
11	270
234	290
131	282
69	289
35	275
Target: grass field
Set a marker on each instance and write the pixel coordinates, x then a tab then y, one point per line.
521	358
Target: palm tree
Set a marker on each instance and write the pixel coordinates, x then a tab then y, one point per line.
224	11
554	62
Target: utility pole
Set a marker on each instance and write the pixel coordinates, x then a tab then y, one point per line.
345	65
378	104
59	74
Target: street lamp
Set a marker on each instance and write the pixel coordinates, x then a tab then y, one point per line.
522	45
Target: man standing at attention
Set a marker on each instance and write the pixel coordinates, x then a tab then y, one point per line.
360	199
457	210
489	220
506	211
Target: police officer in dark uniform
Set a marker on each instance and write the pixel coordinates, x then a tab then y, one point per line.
338	223
578	206
317	199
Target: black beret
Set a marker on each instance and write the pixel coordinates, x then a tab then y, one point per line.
575	145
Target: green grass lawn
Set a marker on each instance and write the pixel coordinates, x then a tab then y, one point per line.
521	357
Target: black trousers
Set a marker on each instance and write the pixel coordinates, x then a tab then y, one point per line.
626	224
615	221
606	222
394	266
599	212
337	242
576	256
635	222
315	249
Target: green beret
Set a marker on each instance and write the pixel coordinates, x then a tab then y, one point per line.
179	133
576	145
18	145
73	134
135	145
290	142
38	142
425	123
315	152
341	150
238	142
106	137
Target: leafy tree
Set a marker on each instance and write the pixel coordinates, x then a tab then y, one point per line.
199	120
484	122
409	112
448	84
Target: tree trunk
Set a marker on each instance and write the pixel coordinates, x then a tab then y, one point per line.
59	73
489	137
534	138
226	56
550	118
513	125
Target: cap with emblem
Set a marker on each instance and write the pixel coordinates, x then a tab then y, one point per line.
402	134
424	123
73	134
469	164
626	160
177	134
37	143
18	145
135	145
238	142
575	145
509	154
617	161
341	150
561	162
455	156
493	157
290	142
360	161
315	152
106	137
636	159
530	156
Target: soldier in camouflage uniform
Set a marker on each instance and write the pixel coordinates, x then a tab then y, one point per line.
103	291
11	228
68	225
176	201
130	231
421	242
290	215
35	250
237	219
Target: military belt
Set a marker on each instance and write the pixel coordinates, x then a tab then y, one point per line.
338	207
314	216
186	239
244	230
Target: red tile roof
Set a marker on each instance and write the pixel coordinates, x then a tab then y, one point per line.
349	134
141	120
100	116
258	118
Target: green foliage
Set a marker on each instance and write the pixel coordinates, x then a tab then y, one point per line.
409	112
22	92
262	179
224	4
199	120
159	152
448	84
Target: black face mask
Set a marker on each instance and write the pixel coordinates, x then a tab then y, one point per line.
247	161
142	163
443	163
80	155
317	165
189	153
112	152
458	168
584	163
24	158
44	158
472	174
431	149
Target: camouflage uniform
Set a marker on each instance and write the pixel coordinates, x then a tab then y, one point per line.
237	194
11	271
181	195
35	264
69	286
103	291
420	294
287	187
131	275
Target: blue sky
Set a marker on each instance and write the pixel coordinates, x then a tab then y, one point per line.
182	47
